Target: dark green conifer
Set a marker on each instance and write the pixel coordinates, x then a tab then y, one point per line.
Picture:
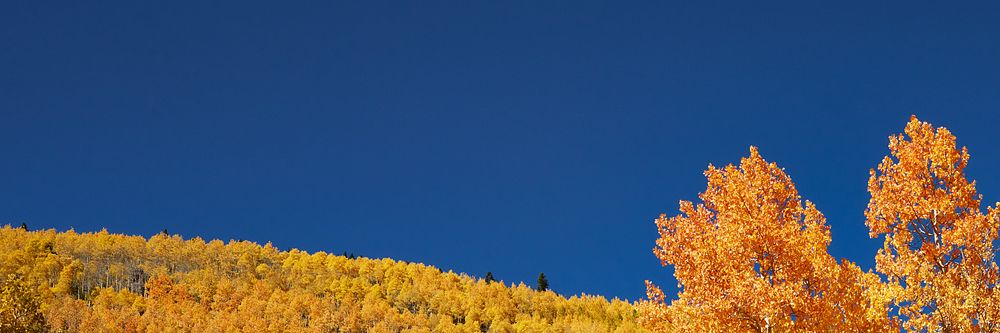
543	282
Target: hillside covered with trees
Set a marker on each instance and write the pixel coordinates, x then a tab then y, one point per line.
750	256
105	282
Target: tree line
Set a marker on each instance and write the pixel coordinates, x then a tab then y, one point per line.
751	255
105	282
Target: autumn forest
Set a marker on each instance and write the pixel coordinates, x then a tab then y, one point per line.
751	255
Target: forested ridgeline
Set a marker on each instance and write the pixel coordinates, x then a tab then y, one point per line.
104	282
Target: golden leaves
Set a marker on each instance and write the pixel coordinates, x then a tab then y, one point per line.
752	255
85	282
19	307
938	243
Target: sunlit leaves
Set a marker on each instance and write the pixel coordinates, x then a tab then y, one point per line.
19	307
752	256
938	250
88	283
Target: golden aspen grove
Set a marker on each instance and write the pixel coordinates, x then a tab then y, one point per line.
104	282
750	256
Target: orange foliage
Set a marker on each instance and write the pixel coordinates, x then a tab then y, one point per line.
752	256
938	252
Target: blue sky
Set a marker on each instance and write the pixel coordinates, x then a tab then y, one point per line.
512	137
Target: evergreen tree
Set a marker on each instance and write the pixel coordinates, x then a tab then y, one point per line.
489	277
24	226
543	283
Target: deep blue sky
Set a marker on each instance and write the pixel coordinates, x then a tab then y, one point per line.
511	137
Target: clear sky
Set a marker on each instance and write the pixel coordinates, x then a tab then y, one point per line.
505	136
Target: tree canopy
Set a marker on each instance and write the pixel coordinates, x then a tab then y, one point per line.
20	308
751	255
105	282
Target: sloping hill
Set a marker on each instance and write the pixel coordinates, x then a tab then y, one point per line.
92	282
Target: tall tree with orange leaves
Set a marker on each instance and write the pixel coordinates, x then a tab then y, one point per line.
938	251
752	257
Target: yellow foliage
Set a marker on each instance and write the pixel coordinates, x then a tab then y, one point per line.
19	307
938	254
749	256
104	282
752	256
